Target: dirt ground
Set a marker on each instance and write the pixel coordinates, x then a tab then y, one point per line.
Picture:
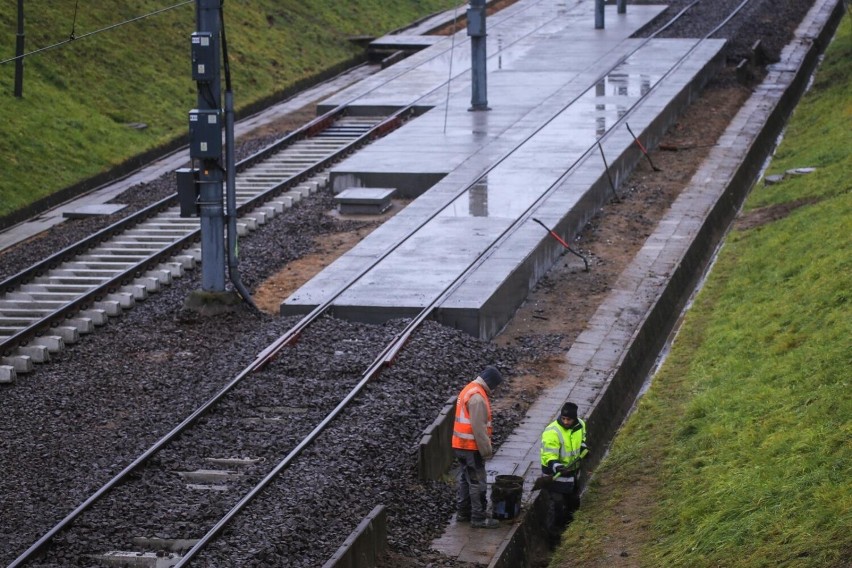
546	324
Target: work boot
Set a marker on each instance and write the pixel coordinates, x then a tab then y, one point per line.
462	517
485	524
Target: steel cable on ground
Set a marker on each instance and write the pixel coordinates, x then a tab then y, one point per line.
384	358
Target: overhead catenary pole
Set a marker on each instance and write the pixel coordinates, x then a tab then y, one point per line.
19	52
476	31
210	175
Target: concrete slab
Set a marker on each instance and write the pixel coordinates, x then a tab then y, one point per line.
93	210
404	42
364	200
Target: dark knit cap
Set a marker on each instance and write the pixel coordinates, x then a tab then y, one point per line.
491	376
569	409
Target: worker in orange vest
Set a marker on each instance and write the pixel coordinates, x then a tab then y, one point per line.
472	446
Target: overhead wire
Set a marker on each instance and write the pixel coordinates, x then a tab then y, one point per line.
74	37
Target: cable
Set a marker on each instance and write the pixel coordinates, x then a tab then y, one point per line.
450	74
73	35
110	27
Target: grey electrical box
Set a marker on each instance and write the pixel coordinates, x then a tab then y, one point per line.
204	53
205	134
476	21
188	191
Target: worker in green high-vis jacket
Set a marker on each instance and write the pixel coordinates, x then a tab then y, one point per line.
563	447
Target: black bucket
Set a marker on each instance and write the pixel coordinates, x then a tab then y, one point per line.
506	496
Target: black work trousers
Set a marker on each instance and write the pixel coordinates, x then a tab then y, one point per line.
472	485
560	511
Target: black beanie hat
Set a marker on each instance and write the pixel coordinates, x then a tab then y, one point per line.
569	409
491	376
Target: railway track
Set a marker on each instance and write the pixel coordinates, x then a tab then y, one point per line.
224	430
266	365
54	302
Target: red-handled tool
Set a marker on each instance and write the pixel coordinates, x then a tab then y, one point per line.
563	243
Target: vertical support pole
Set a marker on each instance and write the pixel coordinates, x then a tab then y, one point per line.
210	176
476	31
622	6
599	14
19	52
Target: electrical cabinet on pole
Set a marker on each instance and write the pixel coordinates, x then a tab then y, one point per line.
200	187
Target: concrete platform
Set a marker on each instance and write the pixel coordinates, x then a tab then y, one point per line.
557	87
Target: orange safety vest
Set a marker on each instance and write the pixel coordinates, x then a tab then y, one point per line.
462	429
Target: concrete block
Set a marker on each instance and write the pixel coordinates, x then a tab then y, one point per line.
36	353
98	317
68	334
7	374
161	273
109	307
286	201
322	181
175	269
187	261
124	300
295	195
152	285
132	559
138	292
209	475
21	363
269	211
277	206
53	343
259	217
435	454
82	325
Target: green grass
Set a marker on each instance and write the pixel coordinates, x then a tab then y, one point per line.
744	436
71	122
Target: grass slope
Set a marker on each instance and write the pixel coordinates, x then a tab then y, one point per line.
739	454
72	121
